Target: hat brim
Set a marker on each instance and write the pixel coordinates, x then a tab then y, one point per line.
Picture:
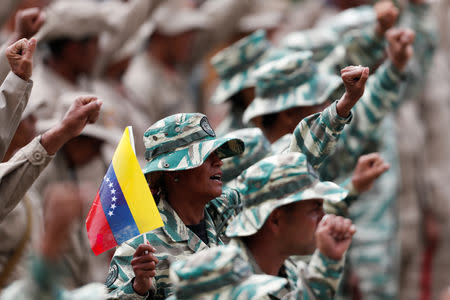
300	96
230	86
251	219
194	155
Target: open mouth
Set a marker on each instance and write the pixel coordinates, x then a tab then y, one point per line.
217	177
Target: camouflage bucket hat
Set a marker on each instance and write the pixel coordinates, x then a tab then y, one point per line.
292	81
320	41
220	273
257	146
274	182
184	141
235	65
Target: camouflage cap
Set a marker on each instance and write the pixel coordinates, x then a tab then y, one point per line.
292	81
257	146
321	41
277	181
349	19
220	273
184	141
235	65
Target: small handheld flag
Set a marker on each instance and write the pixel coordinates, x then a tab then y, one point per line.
124	206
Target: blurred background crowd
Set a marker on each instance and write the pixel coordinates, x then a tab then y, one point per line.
148	59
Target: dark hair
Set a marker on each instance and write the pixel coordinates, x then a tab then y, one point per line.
57	46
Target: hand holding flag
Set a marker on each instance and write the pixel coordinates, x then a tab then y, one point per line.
124	206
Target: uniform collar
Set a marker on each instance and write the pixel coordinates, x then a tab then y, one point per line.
178	232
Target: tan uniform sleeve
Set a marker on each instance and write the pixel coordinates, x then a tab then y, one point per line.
4	65
14	94
18	174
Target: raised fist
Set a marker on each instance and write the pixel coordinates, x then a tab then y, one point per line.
400	48
334	236
354	78
387	15
20	57
368	169
28	22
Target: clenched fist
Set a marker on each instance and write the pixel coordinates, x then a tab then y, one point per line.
368	169
334	236
400	48
387	15
20	57
28	22
83	111
354	78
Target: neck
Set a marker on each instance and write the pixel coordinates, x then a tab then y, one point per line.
189	208
273	134
63	69
261	250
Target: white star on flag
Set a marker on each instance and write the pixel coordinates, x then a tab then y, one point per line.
110	213
113	206
113	191
113	198
107	179
110	184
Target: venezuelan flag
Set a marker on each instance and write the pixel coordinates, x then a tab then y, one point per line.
124	206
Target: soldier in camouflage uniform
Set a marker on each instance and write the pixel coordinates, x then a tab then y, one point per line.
275	192
221	273
176	147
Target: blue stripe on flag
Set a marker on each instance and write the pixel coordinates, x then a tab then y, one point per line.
116	209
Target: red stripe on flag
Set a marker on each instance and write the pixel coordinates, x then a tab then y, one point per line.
99	233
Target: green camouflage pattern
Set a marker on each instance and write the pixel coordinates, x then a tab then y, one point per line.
292	81
316	280
349	19
184	141
235	65
320	41
220	273
173	242
257	146
274	182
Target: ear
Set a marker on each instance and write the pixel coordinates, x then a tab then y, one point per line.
274	221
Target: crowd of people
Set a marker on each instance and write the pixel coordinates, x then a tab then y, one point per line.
295	149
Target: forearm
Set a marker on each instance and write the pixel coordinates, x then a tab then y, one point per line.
316	136
18	174
14	94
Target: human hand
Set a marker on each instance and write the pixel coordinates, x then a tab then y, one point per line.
334	236
144	265
387	15
367	170
28	22
400	48
20	57
63	205
83	111
354	78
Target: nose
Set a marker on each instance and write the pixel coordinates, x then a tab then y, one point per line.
321	215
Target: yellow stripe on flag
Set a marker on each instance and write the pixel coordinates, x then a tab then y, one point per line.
134	186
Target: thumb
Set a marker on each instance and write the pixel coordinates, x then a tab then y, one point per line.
29	51
364	77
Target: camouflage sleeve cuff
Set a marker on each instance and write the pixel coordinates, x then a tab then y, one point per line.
324	274
333	120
